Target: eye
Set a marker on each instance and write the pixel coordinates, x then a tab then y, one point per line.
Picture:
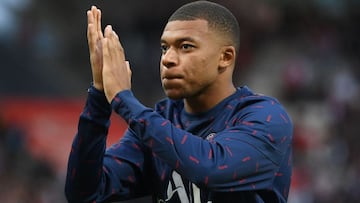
186	47
164	48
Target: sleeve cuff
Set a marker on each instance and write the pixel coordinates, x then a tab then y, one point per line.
97	107
127	106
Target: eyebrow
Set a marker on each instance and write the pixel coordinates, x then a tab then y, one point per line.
177	41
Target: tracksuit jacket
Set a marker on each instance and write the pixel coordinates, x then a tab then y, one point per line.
238	151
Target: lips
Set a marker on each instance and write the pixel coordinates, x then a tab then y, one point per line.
168	79
172	76
171	81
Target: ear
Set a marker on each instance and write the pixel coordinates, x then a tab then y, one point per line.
227	58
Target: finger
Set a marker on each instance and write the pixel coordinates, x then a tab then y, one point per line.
91	34
118	49
128	69
112	52
98	23
107	31
115	39
94	17
90	17
93	12
115	46
105	52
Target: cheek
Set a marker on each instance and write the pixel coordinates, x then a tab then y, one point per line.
207	68
202	74
161	69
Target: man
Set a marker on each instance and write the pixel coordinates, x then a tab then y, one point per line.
207	142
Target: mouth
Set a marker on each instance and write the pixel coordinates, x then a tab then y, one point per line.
170	82
171	77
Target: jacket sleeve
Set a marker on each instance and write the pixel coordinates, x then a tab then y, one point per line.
244	156
94	174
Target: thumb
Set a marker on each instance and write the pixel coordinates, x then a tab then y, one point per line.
128	68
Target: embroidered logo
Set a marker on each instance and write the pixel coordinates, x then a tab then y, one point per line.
210	137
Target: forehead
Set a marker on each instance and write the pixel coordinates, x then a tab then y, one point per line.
195	29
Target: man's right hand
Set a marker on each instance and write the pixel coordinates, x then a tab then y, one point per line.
95	35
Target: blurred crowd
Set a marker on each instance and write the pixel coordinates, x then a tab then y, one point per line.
305	53
23	177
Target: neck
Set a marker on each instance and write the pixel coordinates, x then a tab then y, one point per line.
207	100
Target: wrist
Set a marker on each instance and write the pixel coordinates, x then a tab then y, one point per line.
98	86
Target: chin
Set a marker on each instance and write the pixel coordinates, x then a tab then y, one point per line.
174	95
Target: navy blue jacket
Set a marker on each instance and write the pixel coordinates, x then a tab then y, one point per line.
239	151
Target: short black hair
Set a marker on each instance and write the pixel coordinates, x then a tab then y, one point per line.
218	17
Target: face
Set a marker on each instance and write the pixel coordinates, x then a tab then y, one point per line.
190	59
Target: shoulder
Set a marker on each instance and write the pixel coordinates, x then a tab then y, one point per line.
259	107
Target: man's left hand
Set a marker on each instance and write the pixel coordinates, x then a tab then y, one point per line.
116	70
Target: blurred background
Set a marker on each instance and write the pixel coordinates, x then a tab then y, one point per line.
305	53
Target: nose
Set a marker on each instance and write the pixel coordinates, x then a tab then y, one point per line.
169	58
